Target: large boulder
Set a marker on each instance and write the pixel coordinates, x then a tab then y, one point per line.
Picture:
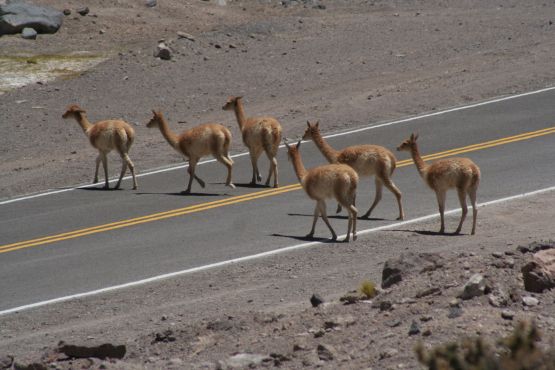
396	269
539	273
17	15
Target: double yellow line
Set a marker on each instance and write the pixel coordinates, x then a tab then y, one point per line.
246	197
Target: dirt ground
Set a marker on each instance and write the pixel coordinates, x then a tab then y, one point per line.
349	64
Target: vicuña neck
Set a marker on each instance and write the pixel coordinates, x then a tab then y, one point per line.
421	166
168	134
300	170
328	152
83	121
240	114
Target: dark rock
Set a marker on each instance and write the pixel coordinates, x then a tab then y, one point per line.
455	312
396	269
163	52
326	352
507	315
102	352
67	11
350	298
165	337
414	328
6	362
539	273
29	34
316	300
426	318
279	359
33	366
150	3
497	254
426	333
536	247
15	16
83	10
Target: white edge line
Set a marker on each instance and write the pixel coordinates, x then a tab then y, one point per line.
404	120
258	255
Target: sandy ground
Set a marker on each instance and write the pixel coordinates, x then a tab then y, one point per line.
349	64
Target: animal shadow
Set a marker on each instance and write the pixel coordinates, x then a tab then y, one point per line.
306	239
338	217
429	232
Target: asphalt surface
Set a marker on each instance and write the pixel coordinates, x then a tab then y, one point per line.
246	226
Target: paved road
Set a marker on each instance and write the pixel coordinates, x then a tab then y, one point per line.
228	223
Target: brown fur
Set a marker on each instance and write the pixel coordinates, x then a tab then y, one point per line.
200	141
337	181
260	134
367	160
444	174
105	136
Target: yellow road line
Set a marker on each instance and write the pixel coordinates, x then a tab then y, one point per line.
247	197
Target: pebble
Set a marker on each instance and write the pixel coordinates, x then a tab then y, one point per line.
497	254
507	314
530	301
83	11
316	300
414	328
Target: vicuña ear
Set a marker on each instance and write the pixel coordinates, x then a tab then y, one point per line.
415	137
317	123
308	124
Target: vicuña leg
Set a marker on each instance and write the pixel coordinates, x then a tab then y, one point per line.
123	169
98	159
323	212
377	198
392	188
105	165
464	208
273	170
191	171
229	164
314	220
254	161
441	204
472	195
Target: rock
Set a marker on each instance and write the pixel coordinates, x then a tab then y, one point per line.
474	287
185	35
29	33
414	328
245	360
454	312
393	323
385	306
395	269
507	314
426	333
326	352
150	3
497	300
497	254
163	52
33	366
343	321
539	273
426	318
166	337
427	292
102	352
530	301
316	300
83	11
351	298
536	247
67	11
15	16
6	362
279	359
388	353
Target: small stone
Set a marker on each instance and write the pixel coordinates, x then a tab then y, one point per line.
150	3
497	254
454	312
455	302
507	314
316	300
426	318
29	33
414	328
344	321
67	12
426	333
326	352
175	362
388	353
474	287
386	306
393	323
83	11
530	301
185	35
163	52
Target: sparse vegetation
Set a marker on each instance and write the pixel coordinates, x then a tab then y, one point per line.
368	289
519	351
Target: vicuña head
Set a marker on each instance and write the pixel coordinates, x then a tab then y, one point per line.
407	145
231	102
157	117
312	130
73	111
